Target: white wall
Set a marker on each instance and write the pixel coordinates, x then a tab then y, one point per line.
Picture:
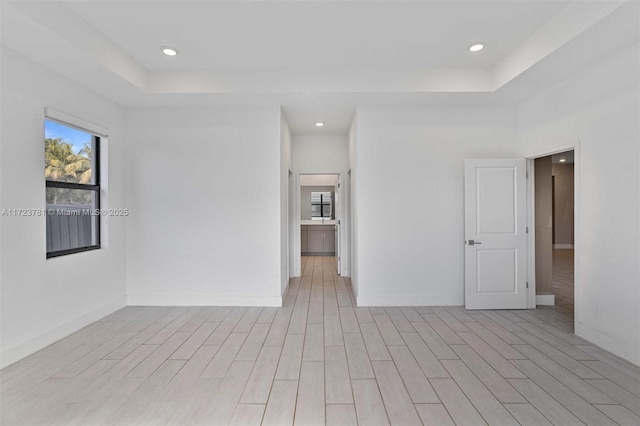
205	194
318	180
409	198
317	153
599	108
44	300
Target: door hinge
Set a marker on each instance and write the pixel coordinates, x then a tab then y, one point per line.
527	284
527	173
338	185
527	229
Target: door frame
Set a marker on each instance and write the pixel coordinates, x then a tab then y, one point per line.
290	230
340	214
544	151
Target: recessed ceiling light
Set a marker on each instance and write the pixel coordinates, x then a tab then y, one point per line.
476	47
169	51
319	124
562	160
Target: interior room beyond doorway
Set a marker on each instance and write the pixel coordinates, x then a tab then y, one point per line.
319	221
554	229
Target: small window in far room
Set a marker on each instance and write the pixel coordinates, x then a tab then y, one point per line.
72	178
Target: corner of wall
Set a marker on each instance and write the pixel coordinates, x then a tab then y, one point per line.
40	303
31	345
624	349
353	204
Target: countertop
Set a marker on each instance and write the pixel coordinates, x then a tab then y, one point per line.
317	222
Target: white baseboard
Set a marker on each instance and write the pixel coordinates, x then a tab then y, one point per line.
563	246
545	299
619	347
30	346
202	300
423	300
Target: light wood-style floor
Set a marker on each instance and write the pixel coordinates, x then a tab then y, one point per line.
320	360
562	279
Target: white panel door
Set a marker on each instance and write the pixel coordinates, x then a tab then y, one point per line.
495	234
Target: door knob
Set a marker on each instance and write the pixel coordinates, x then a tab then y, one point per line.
473	242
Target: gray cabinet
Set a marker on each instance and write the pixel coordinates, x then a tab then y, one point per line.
318	240
329	243
304	237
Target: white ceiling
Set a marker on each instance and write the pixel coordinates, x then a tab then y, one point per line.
310	35
318	59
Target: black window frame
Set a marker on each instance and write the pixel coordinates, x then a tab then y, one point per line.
322	205
95	187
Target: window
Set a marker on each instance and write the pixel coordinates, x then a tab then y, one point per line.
72	177
320	205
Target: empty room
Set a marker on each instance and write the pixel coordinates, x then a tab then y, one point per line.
319	212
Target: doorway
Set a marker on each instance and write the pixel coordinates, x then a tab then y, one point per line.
554	236
318	217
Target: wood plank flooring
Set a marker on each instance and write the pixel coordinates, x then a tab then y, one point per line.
562	279
321	360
